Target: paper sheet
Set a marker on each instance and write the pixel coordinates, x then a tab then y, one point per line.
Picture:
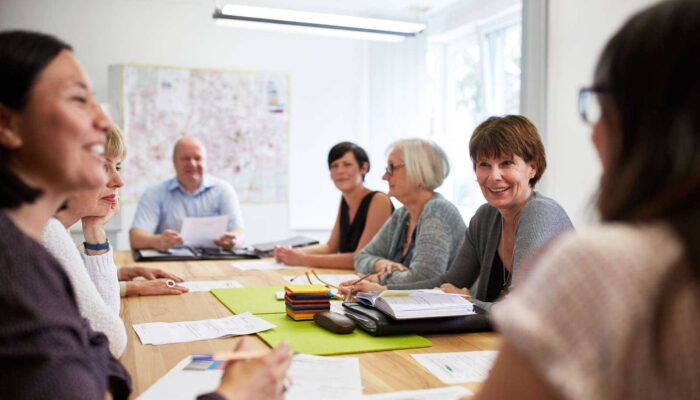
202	231
312	377
157	333
262	265
205	286
444	393
458	367
315	377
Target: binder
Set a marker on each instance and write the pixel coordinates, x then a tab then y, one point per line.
187	253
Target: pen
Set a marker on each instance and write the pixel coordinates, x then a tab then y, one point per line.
229	356
349	293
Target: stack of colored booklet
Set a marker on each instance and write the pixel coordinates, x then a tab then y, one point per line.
304	301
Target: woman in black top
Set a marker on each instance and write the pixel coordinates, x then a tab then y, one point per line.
362	212
52	136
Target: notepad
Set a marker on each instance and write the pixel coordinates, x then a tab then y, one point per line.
308	338
414	304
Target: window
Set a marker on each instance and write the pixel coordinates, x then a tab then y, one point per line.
471	77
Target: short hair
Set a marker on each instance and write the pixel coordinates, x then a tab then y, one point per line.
23	56
509	135
340	149
426	163
648	82
115	147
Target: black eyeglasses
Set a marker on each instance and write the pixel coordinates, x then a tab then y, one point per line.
390	168
589	104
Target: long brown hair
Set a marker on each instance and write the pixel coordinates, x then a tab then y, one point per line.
648	78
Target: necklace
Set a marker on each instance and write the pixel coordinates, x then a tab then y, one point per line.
506	275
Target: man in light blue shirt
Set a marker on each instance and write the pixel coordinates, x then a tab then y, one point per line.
192	193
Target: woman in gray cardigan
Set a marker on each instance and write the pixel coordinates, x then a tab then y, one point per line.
422	238
509	159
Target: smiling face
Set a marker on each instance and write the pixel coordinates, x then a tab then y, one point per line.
505	181
399	186
346	172
189	160
61	131
97	202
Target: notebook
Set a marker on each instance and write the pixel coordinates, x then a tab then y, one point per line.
414	304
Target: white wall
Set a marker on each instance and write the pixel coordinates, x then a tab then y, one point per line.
578	30
328	82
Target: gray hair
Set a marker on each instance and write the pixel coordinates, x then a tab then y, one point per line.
426	163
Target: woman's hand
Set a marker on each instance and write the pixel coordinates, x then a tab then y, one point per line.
129	273
93	222
387	267
260	378
368	284
154	287
450	288
288	256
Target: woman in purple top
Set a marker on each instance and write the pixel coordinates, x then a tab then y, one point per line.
52	136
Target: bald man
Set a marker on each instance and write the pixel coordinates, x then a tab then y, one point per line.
191	193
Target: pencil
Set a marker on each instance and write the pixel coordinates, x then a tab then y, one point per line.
229	356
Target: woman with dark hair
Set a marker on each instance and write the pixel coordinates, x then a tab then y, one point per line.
614	313
52	136
362	213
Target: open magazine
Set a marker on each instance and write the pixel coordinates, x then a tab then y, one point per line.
414	304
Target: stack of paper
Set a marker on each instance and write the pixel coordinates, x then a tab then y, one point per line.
302	302
413	304
157	333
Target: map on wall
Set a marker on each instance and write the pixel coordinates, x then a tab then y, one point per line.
241	117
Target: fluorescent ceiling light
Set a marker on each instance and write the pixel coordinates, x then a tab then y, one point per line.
308	22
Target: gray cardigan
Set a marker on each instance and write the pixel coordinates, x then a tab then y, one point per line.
438	235
541	219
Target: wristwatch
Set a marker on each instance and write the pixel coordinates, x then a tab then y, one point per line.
98	246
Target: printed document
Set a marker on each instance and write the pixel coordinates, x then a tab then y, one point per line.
205	286
157	333
203	231
413	304
458	367
333	279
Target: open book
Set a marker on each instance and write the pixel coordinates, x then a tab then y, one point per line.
413	304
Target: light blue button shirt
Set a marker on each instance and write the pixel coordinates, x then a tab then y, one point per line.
167	204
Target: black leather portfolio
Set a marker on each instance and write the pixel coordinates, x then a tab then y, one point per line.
377	323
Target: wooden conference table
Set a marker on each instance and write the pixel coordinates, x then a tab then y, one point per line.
385	371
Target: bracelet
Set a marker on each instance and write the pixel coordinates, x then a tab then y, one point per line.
97	247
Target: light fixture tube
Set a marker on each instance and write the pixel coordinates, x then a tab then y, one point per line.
331	22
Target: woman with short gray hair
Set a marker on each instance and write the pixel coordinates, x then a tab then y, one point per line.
423	237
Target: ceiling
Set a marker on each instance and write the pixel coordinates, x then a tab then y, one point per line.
410	10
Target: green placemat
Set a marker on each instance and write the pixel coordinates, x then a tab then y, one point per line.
255	300
308	338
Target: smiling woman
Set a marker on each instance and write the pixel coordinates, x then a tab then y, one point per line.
362	213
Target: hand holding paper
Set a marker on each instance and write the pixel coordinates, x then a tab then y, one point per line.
203	231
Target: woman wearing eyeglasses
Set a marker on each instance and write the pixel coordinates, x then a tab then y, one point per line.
422	238
362	213
614	312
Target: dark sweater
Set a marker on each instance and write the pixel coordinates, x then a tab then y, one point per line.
47	350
